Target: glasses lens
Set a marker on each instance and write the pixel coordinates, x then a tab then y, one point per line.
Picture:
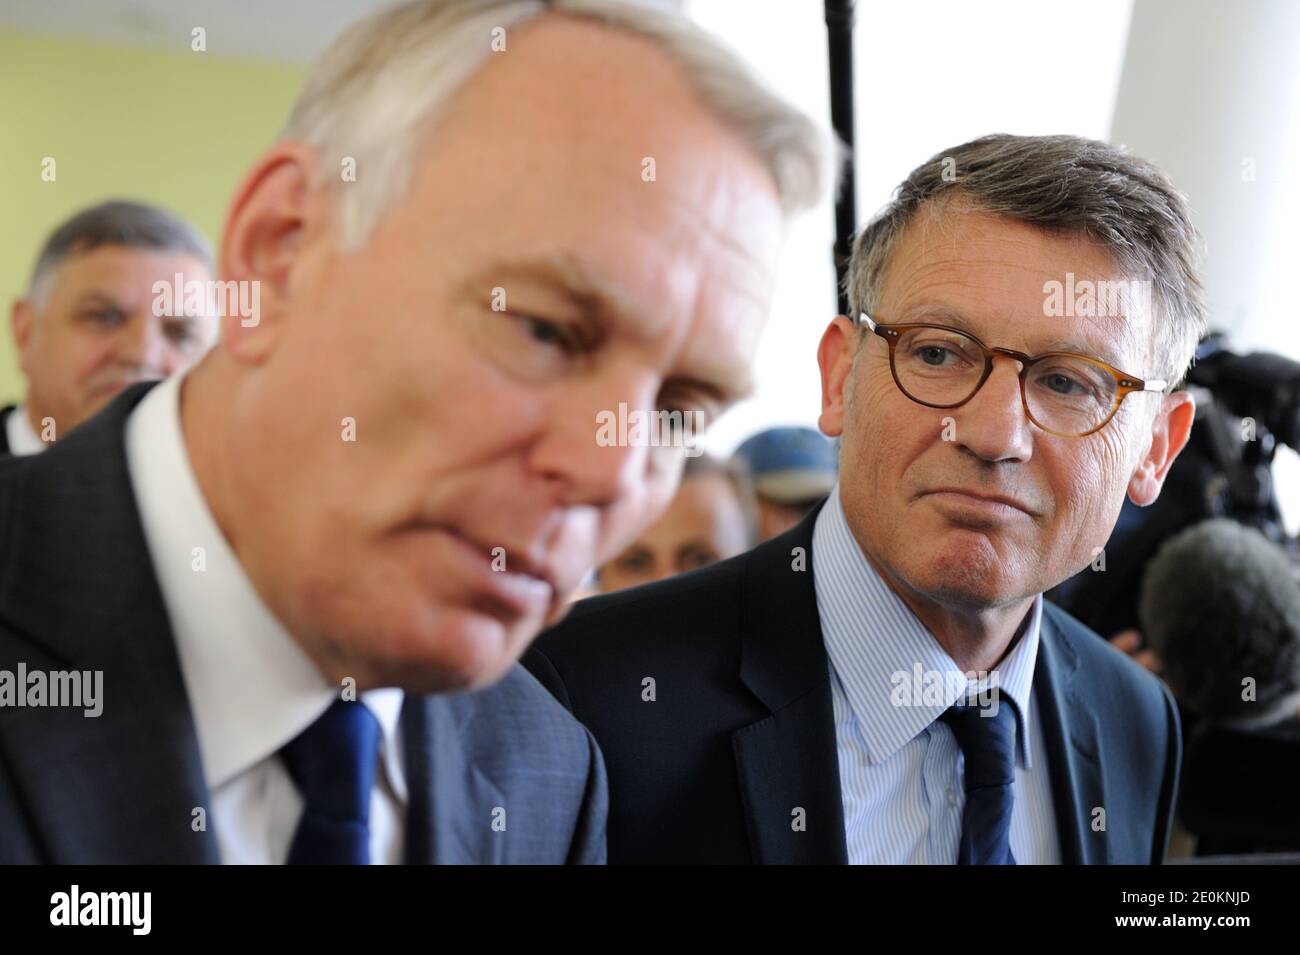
1069	395
937	366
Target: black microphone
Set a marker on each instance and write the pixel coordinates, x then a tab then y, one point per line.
1220	604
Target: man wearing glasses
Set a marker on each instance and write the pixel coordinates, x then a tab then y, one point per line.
885	683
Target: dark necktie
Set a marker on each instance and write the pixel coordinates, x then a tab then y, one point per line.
332	763
988	747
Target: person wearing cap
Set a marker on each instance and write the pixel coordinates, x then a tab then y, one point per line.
791	469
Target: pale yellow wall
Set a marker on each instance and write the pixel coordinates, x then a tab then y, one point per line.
174	129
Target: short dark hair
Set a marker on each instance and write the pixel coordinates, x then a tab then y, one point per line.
117	222
1061	184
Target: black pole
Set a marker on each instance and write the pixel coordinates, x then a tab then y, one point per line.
839	35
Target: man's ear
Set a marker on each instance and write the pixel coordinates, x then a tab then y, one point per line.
1169	433
272	209
835	359
20	321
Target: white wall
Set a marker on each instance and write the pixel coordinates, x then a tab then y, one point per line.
929	76
1211	92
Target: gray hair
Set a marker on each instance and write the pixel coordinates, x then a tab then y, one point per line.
117	222
384	81
1061	184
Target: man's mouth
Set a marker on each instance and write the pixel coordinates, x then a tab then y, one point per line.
502	581
978	502
113	388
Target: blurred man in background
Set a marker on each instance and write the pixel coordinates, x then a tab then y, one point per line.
791	470
710	519
88	327
1221	602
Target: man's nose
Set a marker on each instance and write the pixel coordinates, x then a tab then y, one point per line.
993	424
591	448
142	344
662	570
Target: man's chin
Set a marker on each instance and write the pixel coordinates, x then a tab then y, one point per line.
98	400
962	568
473	651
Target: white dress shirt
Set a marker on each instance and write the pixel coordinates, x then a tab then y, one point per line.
23	439
251	687
900	767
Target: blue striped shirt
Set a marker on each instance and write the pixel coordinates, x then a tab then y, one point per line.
900	767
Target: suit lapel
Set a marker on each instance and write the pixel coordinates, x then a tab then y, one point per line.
789	782
1073	747
452	804
79	593
788	762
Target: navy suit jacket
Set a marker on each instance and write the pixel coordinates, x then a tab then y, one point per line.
5	412
78	592
741	730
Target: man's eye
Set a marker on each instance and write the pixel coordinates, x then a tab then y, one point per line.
688	415
531	348
548	333
672	419
182	333
696	557
106	316
634	562
933	354
1062	384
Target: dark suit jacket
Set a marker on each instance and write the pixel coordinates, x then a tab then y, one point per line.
741	730
77	591
5	412
1239	789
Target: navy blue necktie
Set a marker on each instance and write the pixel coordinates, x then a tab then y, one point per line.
332	763
988	747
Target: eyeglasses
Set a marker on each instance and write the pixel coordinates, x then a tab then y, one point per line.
1063	393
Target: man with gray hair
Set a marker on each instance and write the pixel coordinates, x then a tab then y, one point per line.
89	324
885	683
307	568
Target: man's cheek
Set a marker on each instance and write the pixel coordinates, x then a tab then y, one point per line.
1081	501
83	378
876	421
1095	478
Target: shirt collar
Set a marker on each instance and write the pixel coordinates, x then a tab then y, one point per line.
883	655
251	687
22	436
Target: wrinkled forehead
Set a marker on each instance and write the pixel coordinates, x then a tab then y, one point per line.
667	222
124	275
535	143
1015	285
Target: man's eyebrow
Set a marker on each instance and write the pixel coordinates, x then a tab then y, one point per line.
1081	348
937	313
572	277
725	388
947	315
94	296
